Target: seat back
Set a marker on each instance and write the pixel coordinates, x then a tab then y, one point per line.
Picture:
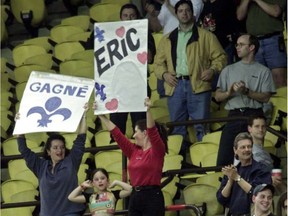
40	41
37	8
10	146
74	67
64	50
210	179
213	137
105	12
174	144
11	187
105	158
82	175
202	193
24	51
59	33
200	149
82	21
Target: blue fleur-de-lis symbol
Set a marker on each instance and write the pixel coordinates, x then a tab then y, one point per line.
51	105
100	91
98	34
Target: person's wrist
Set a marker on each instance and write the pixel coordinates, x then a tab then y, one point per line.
163	75
82	187
238	178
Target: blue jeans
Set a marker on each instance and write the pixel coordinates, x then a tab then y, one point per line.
271	52
183	104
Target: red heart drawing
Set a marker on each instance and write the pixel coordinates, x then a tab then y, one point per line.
142	57
112	105
120	31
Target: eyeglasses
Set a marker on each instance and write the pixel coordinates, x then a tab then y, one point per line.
240	45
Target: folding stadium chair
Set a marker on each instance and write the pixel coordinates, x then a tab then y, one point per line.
172	162
82	175
105	12
6	122
36	9
40	41
160	114
102	138
19	89
16	166
281	92
41	59
202	193
213	137
168	200
22	73
174	144
105	158
4	32
212	179
154	96
23	211
4	135
64	50
279	109
82	21
70	137
11	187
27	175
86	55
198	151
121	2
25	196
209	160
25	51
59	33
82	36
161	102
74	68
10	146
6	99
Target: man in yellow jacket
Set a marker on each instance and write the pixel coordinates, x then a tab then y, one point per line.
187	59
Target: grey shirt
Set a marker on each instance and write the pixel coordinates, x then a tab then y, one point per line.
257	78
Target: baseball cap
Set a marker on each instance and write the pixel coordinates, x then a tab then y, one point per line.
262	187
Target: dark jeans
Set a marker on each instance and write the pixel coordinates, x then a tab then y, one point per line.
147	203
229	132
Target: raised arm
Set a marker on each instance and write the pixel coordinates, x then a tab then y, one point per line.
273	10
127	188
76	195
242	9
82	129
109	124
149	118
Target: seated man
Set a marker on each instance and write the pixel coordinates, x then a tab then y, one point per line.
239	181
262	199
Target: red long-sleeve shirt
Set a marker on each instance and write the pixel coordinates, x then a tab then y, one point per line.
145	167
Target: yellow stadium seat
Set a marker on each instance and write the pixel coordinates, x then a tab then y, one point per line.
25	51
40	41
37	9
86	55
168	201
20	88
211	179
11	187
23	211
41	59
279	105
82	36
59	33
103	12
202	193
82	175
74	68
6	122
121	2
103	138
174	144
105	158
64	50
213	137
10	146
82	21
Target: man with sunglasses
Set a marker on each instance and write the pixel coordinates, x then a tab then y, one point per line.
245	86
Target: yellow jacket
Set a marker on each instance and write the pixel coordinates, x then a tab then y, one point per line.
203	52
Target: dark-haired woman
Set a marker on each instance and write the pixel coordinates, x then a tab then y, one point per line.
57	171
146	158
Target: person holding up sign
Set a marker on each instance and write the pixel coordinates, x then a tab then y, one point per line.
57	171
145	156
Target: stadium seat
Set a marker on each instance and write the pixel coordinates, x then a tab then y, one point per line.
33	9
6	99
102	12
281	92
212	179
25	51
86	55
213	137
10	146
59	33
168	201
279	109
74	68
20	88
121	2
82	21
160	114
64	50
82	175
27	175
200	149
41	59
4	32
40	41
22	73
6	123
202	193
105	158
23	211
82	36
11	187
174	144
103	138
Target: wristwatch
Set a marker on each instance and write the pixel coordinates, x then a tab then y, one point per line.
238	179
